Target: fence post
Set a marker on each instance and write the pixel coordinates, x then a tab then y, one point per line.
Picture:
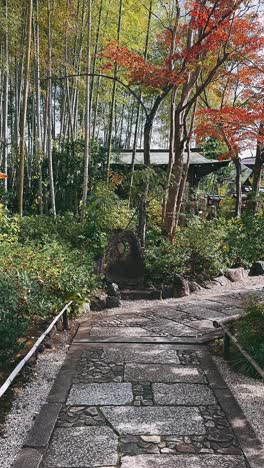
226	346
65	320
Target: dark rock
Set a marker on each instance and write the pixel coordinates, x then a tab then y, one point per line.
112	302
210	284
124	261
185	448
41	348
194	286
236	274
166	292
99	302
181	286
48	343
113	290
257	269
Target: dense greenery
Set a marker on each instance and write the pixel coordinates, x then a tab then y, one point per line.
250	333
205	249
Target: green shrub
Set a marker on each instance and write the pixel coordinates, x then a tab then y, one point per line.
163	261
250	334
36	282
13	319
199	250
245	239
9	226
206	243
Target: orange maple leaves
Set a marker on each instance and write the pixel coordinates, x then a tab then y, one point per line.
237	128
214	25
139	70
3	176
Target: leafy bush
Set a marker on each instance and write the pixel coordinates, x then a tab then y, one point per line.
250	334
9	226
60	270
245	240
206	243
163	261
13	320
36	282
198	250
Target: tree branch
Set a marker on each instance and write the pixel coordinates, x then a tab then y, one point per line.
79	75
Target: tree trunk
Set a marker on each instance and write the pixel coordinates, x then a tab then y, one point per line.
238	206
96	46
50	116
257	173
174	188
6	98
38	115
111	121
171	155
87	115
24	115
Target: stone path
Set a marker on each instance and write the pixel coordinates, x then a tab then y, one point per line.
139	389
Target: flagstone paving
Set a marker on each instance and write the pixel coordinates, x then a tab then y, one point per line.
140	390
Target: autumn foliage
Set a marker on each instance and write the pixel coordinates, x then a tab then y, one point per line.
212	24
237	128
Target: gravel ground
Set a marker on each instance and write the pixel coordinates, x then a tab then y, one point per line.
27	403
248	392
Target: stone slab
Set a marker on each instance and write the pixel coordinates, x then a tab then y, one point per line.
162	373
141	354
183	394
183	461
211	372
126	332
185	340
61	386
171	328
28	458
40	434
155	420
204	313
83	446
100	394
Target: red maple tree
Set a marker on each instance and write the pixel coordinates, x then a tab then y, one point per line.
203	36
239	123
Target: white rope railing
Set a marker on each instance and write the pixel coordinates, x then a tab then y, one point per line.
34	348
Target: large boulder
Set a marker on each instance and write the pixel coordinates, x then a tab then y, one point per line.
166	291
98	302
236	274
112	302
113	290
194	286
181	287
257	268
210	284
123	260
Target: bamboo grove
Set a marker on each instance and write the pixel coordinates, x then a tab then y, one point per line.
82	78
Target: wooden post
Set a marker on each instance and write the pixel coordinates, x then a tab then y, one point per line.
65	320
226	347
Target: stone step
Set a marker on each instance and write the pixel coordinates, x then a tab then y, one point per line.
138	294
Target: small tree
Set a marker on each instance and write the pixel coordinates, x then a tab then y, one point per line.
238	129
